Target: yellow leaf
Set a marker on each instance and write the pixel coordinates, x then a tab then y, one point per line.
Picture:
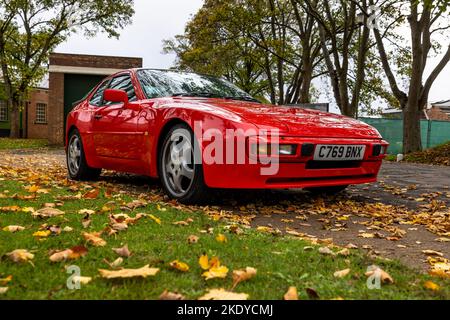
20	256
82	280
243	275
221	238
32	189
6	280
180	266
222	294
143	272
204	262
431	286
216	272
342	273
42	234
291	294
13	229
61	256
377	271
157	220
3	290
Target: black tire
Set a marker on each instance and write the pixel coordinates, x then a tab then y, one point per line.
327	190
81	171
195	191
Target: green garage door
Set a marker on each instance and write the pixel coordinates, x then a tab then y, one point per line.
77	86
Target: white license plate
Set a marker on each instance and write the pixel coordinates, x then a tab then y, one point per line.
339	152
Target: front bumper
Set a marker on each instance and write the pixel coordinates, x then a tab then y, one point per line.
300	171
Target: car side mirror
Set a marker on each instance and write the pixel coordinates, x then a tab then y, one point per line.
116	96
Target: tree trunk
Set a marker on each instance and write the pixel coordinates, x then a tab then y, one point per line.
15	120
412	135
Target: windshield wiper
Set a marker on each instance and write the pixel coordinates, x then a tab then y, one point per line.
196	94
242	98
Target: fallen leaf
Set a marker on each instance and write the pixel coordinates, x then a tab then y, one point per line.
20	256
123	252
342	273
433	253
143	272
193	239
68	229
366	235
377	271
291	294
61	256
221	238
94	239
81	280
119	226
47	213
222	294
171	296
216	272
6	280
344	252
13	229
243	275
180	266
156	219
93	194
86	212
326	251
42	234
3	290
203	261
431	286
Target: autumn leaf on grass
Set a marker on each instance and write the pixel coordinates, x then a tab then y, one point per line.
432	253
156	219
171	296
183	223
291	294
81	280
216	272
86	212
378	272
342	273
94	239
221	238
6	280
3	290
20	256
431	286
13	229
69	254
207	264
193	239
47	213
93	194
42	234
180	266
123	252
143	272
222	294
243	275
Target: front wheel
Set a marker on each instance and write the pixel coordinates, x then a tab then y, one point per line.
327	190
76	160
180	170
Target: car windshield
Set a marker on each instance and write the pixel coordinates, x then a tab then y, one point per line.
159	83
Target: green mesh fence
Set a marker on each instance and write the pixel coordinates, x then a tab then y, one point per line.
434	133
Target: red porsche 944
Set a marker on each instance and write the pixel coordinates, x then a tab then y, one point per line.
196	132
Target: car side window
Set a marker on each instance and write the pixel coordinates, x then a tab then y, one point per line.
97	98
124	83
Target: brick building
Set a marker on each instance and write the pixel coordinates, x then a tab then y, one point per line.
70	78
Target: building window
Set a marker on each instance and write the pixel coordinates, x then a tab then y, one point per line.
3	111
41	113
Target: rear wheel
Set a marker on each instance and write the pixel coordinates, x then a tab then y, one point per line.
180	170
327	190
76	160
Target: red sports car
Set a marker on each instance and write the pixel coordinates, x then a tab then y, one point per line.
196	132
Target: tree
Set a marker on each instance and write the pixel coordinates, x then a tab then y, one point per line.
31	29
427	20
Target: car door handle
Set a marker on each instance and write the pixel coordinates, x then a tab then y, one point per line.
98	116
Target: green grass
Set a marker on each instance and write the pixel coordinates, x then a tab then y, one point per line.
13	144
281	261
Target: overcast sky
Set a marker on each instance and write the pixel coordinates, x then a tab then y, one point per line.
157	20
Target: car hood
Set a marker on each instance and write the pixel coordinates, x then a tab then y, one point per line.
298	122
